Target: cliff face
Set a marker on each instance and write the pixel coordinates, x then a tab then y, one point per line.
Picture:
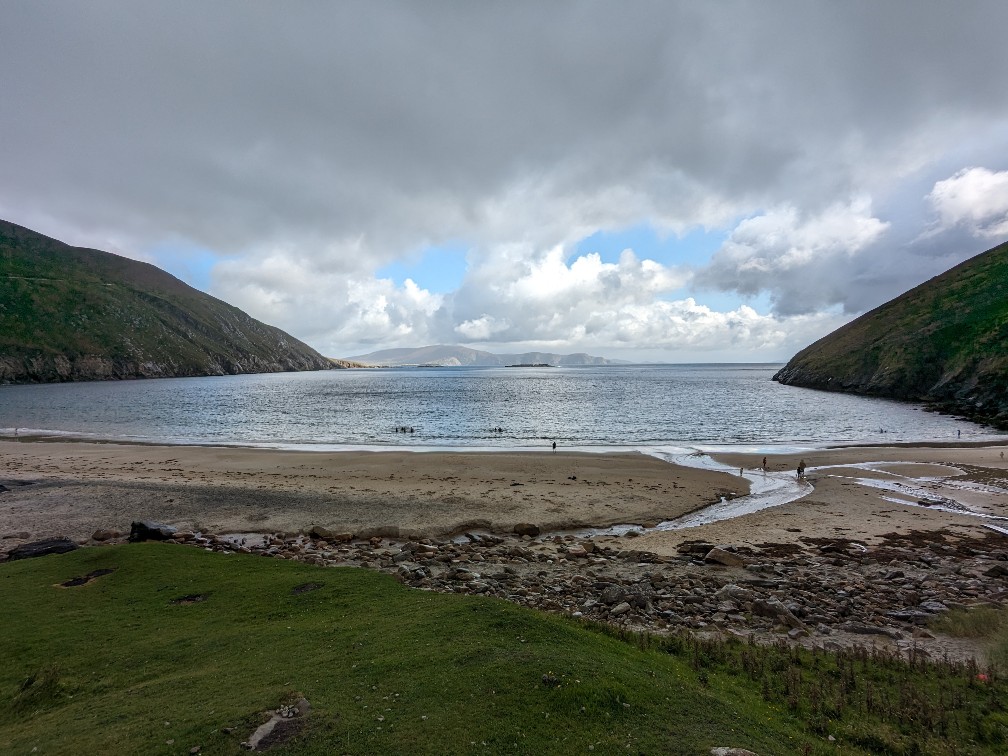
943	343
73	314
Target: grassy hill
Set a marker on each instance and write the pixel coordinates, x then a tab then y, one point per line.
69	313
944	343
170	648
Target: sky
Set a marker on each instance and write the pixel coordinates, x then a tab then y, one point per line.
652	181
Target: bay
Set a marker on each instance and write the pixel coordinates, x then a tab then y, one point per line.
632	406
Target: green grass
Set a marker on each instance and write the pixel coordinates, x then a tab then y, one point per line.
945	342
61	301
117	666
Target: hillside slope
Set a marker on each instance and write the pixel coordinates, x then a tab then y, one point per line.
69	313
944	343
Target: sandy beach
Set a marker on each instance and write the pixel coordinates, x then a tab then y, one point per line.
865	553
74	488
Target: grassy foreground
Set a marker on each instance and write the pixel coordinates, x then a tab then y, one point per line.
176	648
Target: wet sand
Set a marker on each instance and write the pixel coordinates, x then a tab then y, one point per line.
75	488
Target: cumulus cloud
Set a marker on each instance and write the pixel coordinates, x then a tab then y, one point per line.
975	198
801	260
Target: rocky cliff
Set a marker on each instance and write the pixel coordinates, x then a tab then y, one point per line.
944	343
73	314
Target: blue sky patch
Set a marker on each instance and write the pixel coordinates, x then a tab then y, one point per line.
188	262
693	248
438	269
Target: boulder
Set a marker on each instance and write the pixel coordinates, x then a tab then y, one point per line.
735	593
105	535
42	548
619	609
526	529
150	531
717	555
612	594
774	609
997	571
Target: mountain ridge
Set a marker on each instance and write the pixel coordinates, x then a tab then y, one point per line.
457	356
73	314
944	343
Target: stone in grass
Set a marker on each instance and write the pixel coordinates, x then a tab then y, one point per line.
283	724
42	548
145	530
728	751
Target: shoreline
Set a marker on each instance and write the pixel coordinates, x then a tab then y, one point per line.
438	493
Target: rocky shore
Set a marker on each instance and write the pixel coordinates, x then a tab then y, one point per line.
831	593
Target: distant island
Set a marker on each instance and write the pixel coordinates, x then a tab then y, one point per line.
443	355
75	314
944	343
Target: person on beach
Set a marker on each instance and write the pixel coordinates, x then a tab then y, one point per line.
801	469
764	464
554	448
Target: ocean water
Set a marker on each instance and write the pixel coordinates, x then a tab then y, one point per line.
639	406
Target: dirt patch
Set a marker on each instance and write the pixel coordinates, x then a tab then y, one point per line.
75	582
192	598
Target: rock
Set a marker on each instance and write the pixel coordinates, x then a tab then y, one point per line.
729	751
910	616
935	607
105	535
619	609
695	547
42	548
998	570
860	628
383	531
318	531
774	609
734	592
612	594
577	550
717	555
150	531
526	529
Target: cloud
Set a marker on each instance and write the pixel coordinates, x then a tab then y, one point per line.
975	198
313	144
801	260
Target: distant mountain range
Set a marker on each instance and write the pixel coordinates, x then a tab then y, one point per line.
456	356
944	343
69	313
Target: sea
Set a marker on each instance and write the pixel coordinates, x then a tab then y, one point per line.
632	407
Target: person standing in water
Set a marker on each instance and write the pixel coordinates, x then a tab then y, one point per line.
554	447
801	469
